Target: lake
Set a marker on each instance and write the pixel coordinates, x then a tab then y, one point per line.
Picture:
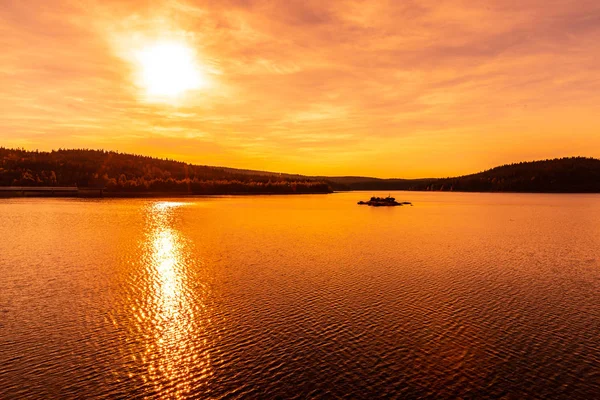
310	296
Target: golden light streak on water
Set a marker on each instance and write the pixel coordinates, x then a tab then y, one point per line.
174	318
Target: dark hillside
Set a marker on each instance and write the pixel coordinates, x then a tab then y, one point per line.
119	172
563	175
134	173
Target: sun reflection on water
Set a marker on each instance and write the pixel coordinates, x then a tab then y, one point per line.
173	324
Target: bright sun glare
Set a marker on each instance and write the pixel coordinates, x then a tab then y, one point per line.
169	69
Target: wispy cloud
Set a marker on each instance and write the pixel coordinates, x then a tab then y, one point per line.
411	88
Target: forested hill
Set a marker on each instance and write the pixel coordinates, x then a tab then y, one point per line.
132	173
562	175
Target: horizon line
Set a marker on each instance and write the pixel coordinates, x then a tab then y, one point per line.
290	173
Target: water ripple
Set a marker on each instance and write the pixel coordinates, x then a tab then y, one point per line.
300	298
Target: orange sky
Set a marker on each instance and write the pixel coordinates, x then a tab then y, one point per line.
380	88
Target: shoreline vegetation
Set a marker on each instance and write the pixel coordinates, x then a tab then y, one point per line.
126	175
98	173
59	191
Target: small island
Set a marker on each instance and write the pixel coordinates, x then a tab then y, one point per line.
384	202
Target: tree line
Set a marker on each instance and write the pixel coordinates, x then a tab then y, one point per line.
562	175
120	172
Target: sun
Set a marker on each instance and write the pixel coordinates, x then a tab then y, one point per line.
169	69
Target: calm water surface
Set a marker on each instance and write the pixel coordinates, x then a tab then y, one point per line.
462	295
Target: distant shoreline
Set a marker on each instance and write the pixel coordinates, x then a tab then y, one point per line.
74	192
129	175
84	193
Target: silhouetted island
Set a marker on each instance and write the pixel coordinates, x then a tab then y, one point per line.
383	202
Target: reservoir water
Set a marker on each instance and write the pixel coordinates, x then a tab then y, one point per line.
309	296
